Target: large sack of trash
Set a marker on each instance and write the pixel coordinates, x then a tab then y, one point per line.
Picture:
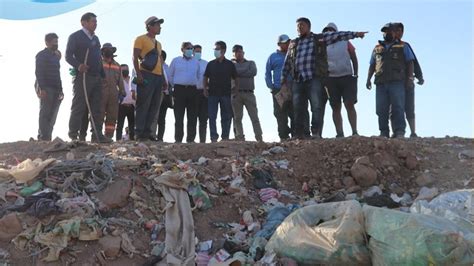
328	233
399	238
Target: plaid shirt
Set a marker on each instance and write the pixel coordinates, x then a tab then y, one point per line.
303	66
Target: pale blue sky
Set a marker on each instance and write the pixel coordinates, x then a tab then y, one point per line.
439	31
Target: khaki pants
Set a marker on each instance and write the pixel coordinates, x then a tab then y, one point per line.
247	99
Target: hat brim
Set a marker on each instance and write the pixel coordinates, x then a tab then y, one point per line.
114	49
284	41
160	21
327	28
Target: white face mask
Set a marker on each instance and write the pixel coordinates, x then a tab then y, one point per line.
197	55
217	53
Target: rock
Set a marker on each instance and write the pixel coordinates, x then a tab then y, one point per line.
427	193
337	184
216	165
425	179
354	189
380	145
466	154
363	174
10	226
116	194
348	181
402	153
110	245
411	162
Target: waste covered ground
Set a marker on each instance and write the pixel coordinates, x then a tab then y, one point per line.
351	201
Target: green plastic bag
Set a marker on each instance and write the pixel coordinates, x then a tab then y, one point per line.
200	197
27	191
399	238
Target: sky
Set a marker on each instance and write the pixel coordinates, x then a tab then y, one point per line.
440	32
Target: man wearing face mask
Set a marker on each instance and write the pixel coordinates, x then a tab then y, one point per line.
243	95
184	77
217	87
392	63
306	62
126	107
202	112
49	88
112	89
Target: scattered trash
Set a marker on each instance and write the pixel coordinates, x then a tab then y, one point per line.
200	197
404	200
274	150
35	187
383	200
372	191
282	164
274	218
466	154
39	206
26	170
328	233
268	193
262	179
427	193
398	238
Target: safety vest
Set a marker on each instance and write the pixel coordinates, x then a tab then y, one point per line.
390	64
319	51
113	76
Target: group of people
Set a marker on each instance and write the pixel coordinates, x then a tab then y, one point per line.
312	68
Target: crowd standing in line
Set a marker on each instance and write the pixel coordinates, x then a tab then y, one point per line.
305	72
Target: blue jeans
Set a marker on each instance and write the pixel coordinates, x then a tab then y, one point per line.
302	92
148	104
226	115
391	97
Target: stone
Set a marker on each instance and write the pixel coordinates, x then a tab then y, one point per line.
353	189
425	179
363	174
348	181
411	162
427	193
10	226
226	152
110	245
116	194
338	184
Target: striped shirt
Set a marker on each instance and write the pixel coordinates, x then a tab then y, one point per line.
305	63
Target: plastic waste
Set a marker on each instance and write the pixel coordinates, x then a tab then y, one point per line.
200	197
262	179
372	191
328	234
427	193
404	200
399	238
274	219
457	206
257	249
26	191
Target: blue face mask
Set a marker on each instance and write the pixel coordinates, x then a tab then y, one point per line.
188	53
197	56
217	53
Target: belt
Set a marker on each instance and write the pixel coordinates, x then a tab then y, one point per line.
186	86
246	91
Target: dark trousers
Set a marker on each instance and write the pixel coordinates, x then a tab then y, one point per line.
84	126
282	114
49	107
128	111
390	96
79	107
202	115
165	104
148	104
185	101
226	116
302	92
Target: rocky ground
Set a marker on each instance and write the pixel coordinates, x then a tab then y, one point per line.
301	172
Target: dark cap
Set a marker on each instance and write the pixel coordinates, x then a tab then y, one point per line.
283	39
152	20
388	26
108	45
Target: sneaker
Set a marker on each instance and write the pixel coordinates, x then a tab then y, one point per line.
413	135
213	140
340	135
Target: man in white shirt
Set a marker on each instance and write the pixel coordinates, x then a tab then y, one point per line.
184	75
127	106
202	114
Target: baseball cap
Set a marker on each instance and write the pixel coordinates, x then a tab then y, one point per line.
283	38
331	25
386	27
152	20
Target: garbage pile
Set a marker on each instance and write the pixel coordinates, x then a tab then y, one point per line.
139	202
